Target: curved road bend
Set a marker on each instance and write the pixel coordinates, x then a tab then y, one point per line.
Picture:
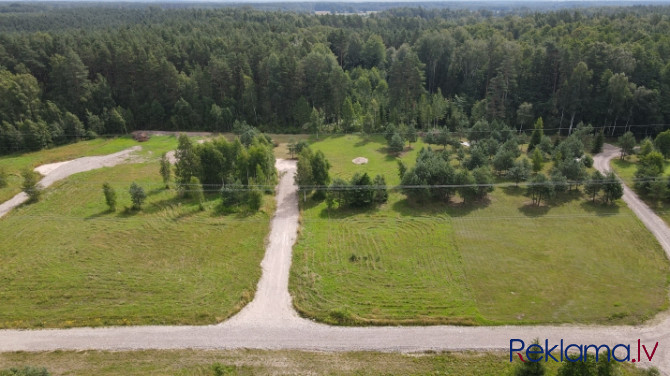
269	321
57	171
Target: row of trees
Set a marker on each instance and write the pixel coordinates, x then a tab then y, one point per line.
204	69
240	173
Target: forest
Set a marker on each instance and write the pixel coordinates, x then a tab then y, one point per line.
78	72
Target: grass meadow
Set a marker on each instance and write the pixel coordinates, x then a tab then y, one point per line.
67	261
257	362
498	261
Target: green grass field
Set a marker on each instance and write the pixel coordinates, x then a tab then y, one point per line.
501	261
67	261
626	170
15	163
256	362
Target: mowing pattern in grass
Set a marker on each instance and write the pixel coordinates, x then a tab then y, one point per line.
67	261
494	262
626	169
256	362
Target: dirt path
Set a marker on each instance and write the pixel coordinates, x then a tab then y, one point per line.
57	171
269	321
652	221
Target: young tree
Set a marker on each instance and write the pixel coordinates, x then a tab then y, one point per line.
627	143
402	168
397	144
537	159
503	160
196	192
30	185
658	190
594	185
484	181
540	188
381	193
137	195
559	181
646	147
520	171
531	367
187	162
304	177
232	193
361	193
538	134
166	170
320	177
662	143
598	143
612	188
254	197
110	196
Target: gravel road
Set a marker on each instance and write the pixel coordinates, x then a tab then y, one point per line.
269	321
54	172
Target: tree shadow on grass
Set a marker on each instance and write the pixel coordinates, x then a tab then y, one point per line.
342	213
513	190
600	209
534	211
101	214
363	140
452	208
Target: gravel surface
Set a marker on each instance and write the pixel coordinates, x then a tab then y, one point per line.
269	321
57	171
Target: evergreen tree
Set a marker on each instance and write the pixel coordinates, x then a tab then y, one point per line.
137	195
538	134
612	188
110	196
598	143
594	185
533	366
520	171
537	159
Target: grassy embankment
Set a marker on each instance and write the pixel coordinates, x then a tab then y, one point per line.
67	261
500	261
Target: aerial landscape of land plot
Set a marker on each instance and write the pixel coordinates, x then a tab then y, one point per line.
353	188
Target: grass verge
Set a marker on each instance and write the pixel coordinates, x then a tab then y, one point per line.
257	362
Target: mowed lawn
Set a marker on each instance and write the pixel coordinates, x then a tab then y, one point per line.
626	169
15	163
501	261
67	261
258	362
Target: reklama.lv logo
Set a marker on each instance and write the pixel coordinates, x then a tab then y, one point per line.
577	352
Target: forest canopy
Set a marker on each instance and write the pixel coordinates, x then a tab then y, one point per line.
112	71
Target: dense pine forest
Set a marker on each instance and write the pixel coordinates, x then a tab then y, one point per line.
77	72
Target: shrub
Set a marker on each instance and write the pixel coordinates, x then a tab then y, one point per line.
137	195
31	186
110	196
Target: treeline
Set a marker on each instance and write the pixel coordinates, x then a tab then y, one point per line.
197	69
